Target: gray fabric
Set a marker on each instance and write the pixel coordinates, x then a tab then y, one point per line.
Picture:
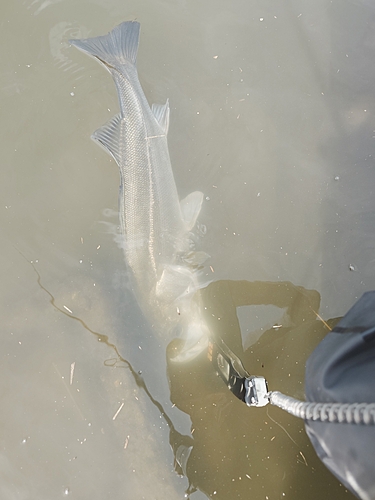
342	369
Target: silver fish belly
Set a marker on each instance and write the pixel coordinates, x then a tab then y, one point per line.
155	224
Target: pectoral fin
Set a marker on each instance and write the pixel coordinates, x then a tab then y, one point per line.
174	282
190	208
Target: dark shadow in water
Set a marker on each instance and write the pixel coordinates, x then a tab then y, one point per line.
242	452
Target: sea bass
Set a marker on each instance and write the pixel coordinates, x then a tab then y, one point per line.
156	226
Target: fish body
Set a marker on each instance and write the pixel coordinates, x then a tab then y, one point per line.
156	226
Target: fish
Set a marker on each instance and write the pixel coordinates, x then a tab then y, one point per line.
158	229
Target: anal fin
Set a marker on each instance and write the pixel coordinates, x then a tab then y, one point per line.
161	113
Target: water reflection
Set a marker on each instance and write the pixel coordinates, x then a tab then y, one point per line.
145	454
264	126
232	449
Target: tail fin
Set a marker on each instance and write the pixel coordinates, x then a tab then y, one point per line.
117	48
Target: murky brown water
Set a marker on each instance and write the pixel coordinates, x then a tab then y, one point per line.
272	117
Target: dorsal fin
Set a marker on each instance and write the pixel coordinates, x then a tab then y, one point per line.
108	136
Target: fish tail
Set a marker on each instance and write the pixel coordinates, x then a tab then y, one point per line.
116	49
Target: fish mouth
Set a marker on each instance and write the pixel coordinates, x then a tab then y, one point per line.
181	351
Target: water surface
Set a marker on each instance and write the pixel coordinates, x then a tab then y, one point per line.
272	117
